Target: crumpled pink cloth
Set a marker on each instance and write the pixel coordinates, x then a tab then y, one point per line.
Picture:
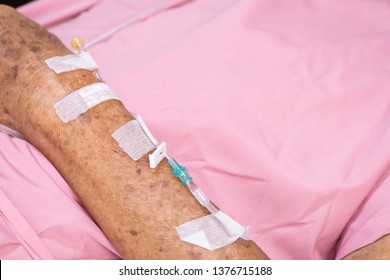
279	109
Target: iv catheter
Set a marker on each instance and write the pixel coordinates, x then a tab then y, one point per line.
178	170
182	173
78	44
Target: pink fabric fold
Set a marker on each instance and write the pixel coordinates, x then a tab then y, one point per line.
52	12
41	216
23	232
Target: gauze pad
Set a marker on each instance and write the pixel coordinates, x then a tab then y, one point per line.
133	140
82	100
212	231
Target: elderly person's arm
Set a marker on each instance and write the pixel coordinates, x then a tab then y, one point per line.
137	207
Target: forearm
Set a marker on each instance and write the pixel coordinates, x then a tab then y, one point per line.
137	207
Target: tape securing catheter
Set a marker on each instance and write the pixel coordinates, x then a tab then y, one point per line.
135	139
72	62
211	231
83	99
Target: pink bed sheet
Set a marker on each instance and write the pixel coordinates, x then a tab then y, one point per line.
280	110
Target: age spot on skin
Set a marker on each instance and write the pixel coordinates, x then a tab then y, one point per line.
84	117
14	72
35	49
12	54
193	255
133	232
163	184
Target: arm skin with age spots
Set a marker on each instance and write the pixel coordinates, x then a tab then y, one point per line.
137	207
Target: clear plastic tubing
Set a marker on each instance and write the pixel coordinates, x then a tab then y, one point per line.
182	173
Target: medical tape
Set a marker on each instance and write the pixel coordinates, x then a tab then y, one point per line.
72	62
212	231
83	99
133	140
160	153
136	140
146	130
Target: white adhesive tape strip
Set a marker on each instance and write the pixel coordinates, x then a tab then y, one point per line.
158	155
212	231
71	62
133	140
146	130
82	100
